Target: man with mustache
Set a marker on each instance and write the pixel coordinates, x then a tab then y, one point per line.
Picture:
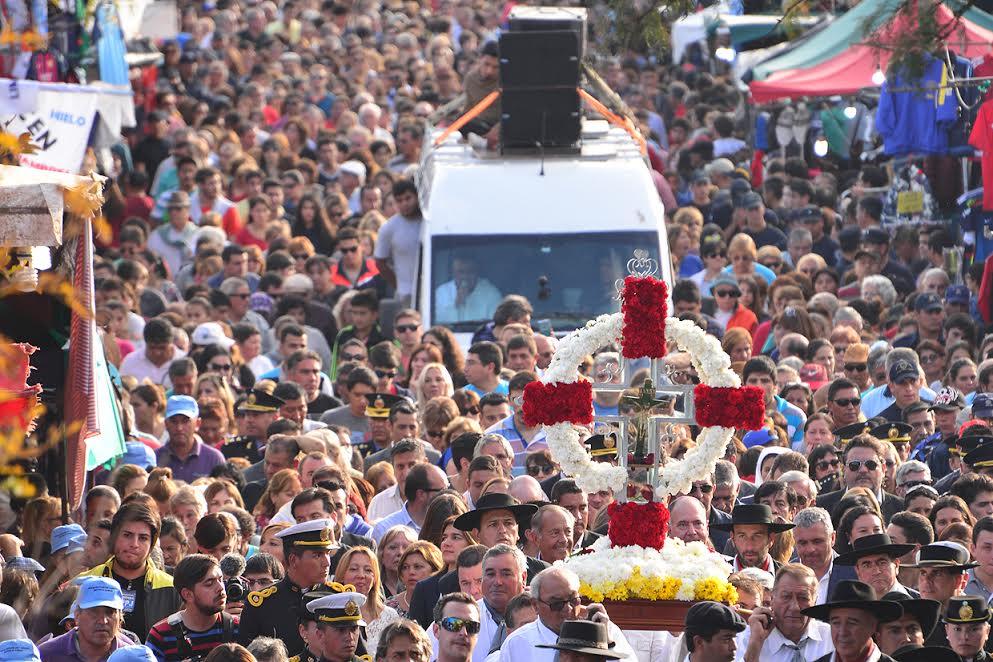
99	617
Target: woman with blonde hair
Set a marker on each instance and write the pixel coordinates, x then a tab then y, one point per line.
391	547
220	494
41	515
282	487
419	561
213	385
270	544
127	479
359	567
433	381
422	355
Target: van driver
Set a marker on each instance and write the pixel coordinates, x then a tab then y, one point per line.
466	297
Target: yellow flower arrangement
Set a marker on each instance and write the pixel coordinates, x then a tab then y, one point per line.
640	587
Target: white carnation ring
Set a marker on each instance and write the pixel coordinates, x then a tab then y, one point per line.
713	366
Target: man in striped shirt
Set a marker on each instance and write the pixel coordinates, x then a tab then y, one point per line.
203	624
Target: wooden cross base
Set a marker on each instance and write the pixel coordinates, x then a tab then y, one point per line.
668	615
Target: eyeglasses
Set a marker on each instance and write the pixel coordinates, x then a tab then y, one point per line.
300	256
435	434
219	367
855	465
386	374
774	264
845	402
705	488
723	294
353	357
261	582
406	328
557	605
856	367
927	359
825	464
349	249
453	624
538	469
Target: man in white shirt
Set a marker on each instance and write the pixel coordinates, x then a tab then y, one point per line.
404	456
556	593
781	632
398	244
854	615
152	361
175	241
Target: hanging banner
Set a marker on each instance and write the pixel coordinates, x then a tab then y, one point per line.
60	126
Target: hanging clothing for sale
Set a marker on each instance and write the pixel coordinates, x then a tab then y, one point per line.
909	198
47	66
917	118
109	40
982	67
982	139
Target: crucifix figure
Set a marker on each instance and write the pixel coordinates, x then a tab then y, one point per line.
640	408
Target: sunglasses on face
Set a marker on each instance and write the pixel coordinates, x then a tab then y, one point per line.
843	402
220	367
855	465
406	328
386	374
350	249
435	434
720	254
300	256
558	605
826	464
705	488
538	469
723	294
927	359
856	367
911	484
452	624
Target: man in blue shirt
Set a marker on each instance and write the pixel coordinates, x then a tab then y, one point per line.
482	369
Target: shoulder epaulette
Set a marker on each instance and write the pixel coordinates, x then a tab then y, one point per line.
255	598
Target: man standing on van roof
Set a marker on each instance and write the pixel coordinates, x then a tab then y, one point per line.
483	79
400	240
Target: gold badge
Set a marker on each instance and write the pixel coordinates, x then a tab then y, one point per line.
608	441
894	432
325	534
965	612
251	398
351	609
379	403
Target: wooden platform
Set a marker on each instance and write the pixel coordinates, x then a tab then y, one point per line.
668	615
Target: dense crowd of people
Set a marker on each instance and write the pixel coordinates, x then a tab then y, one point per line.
311	474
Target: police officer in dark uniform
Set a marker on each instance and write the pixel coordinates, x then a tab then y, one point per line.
966	448
339	617
378	413
845	434
967	626
897	434
272	612
311	652
261	408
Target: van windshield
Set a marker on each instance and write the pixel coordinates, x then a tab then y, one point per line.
569	279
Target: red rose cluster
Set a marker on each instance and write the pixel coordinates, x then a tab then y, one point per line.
742	408
642	524
548	404
644	309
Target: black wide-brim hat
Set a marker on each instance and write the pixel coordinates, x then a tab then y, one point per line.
850	594
871	545
927	612
915	653
753	513
523	512
584	637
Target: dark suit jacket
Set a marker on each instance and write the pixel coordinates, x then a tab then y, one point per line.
891	505
255	473
252	493
589	537
534	567
426	594
719	538
840	573
883	657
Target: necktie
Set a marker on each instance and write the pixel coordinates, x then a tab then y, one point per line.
797	653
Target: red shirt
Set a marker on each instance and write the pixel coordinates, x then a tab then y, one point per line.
982	138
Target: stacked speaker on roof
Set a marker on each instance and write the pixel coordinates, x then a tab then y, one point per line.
540	59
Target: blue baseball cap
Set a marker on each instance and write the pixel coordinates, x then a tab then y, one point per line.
138	454
759	438
182	405
100	592
957	294
25	563
19	650
982	406
927	301
132	654
62	535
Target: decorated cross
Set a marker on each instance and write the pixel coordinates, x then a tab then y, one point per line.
563	399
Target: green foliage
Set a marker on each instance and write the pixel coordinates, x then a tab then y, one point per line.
639	25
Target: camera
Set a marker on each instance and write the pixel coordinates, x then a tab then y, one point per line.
236	589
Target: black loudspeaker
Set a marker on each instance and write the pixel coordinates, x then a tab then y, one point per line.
527	19
549	117
543	58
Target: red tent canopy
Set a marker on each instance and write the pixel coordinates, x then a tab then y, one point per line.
850	71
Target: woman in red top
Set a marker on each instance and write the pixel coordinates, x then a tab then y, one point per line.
259	217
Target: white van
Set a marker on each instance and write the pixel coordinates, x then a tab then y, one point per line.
558	230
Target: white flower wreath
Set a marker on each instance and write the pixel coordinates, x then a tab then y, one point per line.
713	366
